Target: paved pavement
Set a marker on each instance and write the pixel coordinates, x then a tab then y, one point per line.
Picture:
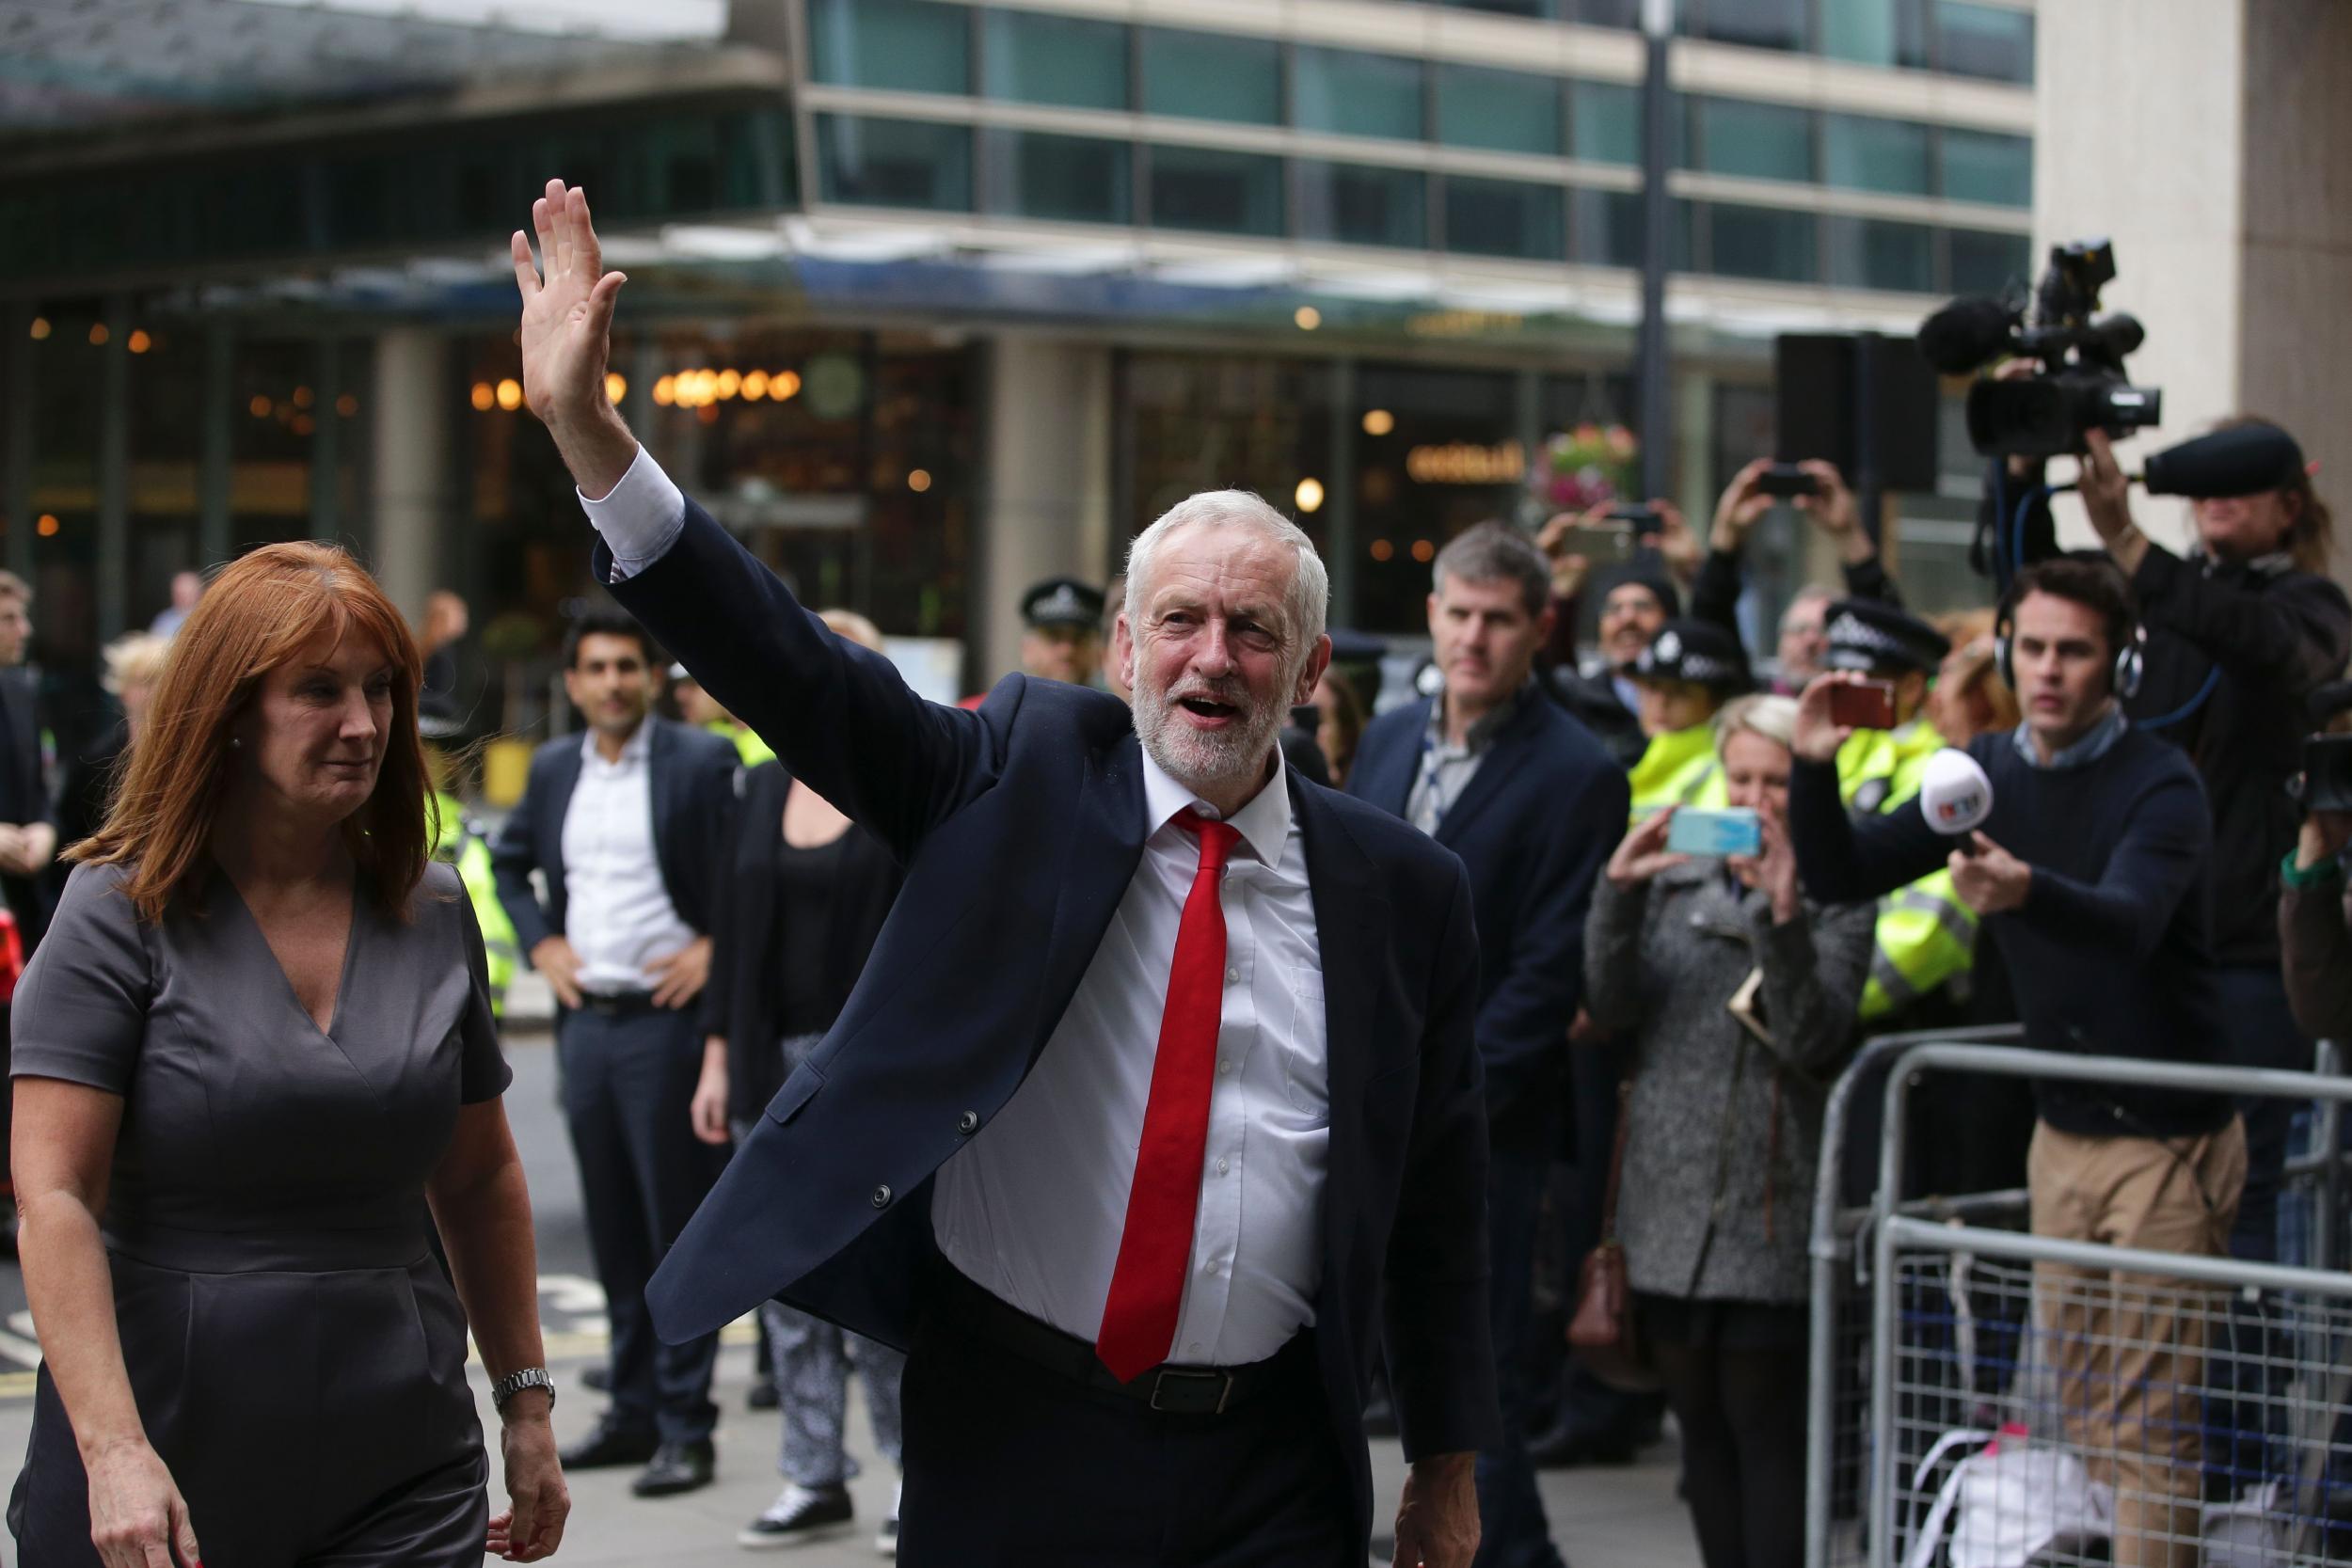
1612	1518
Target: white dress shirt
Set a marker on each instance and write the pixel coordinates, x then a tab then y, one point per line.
1033	1207
617	911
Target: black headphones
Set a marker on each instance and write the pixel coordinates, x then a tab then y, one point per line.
2125	635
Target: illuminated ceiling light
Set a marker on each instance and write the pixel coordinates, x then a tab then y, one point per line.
666	390
756	385
1378	422
615	387
41	328
510	394
302	397
729	382
347	406
784	383
918	480
484	396
1382	549
1308	495
1423	551
47	526
258	408
97	333
138	343
1307	318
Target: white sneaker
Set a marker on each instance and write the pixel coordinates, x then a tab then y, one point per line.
799	1515
887	1539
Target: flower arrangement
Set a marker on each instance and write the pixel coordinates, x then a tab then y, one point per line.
1584	467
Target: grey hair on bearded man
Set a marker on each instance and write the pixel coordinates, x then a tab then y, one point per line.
1311	586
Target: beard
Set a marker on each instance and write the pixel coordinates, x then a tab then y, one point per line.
1196	757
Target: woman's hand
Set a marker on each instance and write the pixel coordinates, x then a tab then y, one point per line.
137	1518
709	1106
1739	507
538	1502
1818	737
1641	855
2106	493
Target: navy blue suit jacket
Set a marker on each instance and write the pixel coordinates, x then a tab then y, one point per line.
693	808
1020	826
1534	825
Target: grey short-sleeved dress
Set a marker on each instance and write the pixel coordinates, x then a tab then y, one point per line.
297	1355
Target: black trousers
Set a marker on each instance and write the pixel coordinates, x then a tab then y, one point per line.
629	1086
1010	1465
1735	1375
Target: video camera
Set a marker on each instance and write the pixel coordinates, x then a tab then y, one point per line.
2080	385
2326	781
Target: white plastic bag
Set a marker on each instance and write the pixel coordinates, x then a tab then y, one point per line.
2009	1503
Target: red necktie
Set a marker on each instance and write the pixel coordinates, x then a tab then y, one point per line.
1156	1249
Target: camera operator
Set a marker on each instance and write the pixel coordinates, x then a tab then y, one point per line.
2239	635
1829	508
2089	876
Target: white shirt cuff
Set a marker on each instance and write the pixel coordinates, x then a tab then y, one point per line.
641	519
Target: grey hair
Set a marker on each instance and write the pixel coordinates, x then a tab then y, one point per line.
1773	717
1495	552
1311	586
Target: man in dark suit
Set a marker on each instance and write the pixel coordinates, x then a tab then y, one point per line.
1533	806
628	826
28	822
1159	1084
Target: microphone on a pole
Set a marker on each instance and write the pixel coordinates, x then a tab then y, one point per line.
2244	460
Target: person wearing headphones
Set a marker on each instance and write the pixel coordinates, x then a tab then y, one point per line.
2089	875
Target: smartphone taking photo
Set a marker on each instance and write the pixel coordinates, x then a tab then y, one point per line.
1863	705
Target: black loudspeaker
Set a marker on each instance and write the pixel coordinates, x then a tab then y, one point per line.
1868	404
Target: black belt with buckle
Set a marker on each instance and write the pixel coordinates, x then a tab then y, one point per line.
977	1316
625	1003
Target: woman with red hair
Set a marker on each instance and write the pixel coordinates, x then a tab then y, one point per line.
257	1048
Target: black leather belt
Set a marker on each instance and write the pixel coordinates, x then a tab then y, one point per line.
983	1320
625	1003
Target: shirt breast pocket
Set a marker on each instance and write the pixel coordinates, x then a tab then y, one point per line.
1305	1052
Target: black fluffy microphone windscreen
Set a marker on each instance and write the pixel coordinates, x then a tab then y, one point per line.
2244	460
1965	333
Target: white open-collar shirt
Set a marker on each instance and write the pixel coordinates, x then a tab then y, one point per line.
1033	1208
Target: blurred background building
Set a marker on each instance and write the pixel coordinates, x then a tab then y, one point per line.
931	298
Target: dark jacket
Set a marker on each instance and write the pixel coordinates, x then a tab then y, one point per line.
694	817
2265	636
24	796
1592	702
1534	826
1715	595
1020	825
743	1002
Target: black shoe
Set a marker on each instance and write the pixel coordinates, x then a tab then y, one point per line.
762	1396
800	1514
597	1378
610	1446
676	1467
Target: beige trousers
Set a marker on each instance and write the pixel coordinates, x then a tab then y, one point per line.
2129	1347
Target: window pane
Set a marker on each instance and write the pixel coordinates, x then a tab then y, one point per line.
1602	13
1981	166
1756	24
1876	32
895	163
1761	241
1359	94
1036	58
1984	263
1872	253
1201	187
1064	179
1984	40
1606	230
1357	205
1764	141
1867	154
1506	110
1608	122
1205	76
1542	10
1502	217
912	45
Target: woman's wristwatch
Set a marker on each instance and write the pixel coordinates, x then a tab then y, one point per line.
512	1383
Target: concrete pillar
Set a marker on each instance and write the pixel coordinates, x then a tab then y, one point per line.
412	481
1048	503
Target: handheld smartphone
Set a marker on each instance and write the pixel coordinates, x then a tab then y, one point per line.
1785	480
1735	831
1868	705
1601	541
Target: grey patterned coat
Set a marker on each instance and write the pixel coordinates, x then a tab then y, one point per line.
1661	964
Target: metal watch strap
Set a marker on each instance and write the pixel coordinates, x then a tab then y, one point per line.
512	1383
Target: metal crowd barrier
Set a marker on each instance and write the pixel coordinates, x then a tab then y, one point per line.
1929	1319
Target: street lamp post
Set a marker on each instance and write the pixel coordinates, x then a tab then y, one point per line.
1657	28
